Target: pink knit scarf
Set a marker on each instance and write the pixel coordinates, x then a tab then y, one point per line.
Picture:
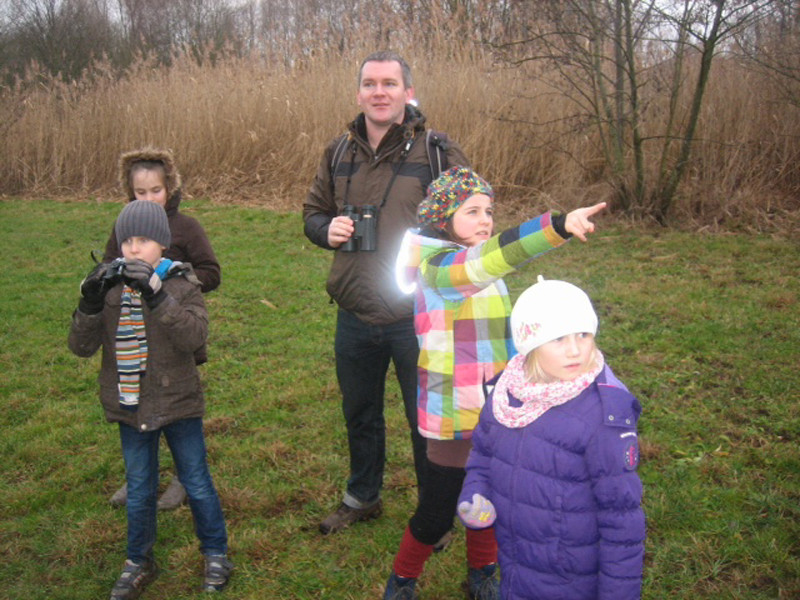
536	398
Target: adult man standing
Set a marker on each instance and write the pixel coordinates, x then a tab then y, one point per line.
382	163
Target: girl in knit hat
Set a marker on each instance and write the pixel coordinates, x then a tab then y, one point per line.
554	457
454	264
148	315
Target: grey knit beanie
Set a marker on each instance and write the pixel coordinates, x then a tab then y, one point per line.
144	219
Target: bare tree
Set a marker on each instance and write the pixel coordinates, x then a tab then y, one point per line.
609	52
63	36
773	45
147	26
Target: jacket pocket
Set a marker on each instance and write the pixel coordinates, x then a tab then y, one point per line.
177	396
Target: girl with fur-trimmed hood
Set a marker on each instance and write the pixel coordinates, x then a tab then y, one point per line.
151	174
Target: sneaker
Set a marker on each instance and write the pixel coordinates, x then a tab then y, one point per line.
218	572
120	497
173	496
133	580
444	541
400	588
344	516
483	583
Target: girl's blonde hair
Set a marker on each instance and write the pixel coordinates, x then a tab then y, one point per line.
534	372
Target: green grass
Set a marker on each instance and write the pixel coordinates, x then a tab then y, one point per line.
704	329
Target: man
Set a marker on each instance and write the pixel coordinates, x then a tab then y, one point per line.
382	163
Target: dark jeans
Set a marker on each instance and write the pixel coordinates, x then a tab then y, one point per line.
140	451
363	353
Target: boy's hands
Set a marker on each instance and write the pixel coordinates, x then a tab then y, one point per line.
578	223
94	288
140	276
478	514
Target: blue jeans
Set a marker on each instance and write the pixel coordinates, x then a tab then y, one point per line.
363	353
140	451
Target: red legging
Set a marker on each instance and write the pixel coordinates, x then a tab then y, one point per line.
435	512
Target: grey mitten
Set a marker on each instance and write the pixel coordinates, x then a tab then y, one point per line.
142	277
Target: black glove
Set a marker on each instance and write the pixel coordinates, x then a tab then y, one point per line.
94	288
140	276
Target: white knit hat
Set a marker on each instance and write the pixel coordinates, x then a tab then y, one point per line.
548	310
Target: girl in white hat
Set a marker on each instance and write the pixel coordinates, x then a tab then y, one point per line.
554	458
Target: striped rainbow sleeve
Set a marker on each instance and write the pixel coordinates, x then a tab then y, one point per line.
456	274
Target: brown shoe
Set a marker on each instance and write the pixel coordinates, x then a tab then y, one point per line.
173	496
344	516
120	497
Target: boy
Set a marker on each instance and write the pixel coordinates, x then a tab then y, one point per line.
148	314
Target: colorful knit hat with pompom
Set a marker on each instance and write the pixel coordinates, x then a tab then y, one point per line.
449	191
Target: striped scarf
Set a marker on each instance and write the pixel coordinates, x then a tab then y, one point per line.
131	343
131	348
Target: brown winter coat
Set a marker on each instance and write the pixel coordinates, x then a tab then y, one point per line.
363	282
175	329
189	240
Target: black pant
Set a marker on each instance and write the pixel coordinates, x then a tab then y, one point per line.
437	504
363	353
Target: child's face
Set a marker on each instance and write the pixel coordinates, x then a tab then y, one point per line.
567	357
142	248
473	221
148	184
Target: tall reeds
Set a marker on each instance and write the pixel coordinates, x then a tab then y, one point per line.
252	129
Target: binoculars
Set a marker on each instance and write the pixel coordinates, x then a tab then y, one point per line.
114	271
365	236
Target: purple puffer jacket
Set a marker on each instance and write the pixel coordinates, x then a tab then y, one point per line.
569	520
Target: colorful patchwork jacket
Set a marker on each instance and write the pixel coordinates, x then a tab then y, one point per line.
461	310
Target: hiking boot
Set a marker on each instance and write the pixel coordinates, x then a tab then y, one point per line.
173	496
344	516
400	588
444	541
120	497
483	583
133	580
218	572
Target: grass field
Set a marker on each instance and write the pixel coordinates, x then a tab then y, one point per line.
704	329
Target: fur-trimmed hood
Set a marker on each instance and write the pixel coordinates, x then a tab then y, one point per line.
173	177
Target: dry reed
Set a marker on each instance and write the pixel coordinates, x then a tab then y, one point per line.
252	129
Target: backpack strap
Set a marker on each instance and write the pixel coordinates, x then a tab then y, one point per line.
436	146
341	147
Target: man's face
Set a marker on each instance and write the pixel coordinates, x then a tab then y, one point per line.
382	95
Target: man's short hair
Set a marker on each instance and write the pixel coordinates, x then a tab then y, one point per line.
388	56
